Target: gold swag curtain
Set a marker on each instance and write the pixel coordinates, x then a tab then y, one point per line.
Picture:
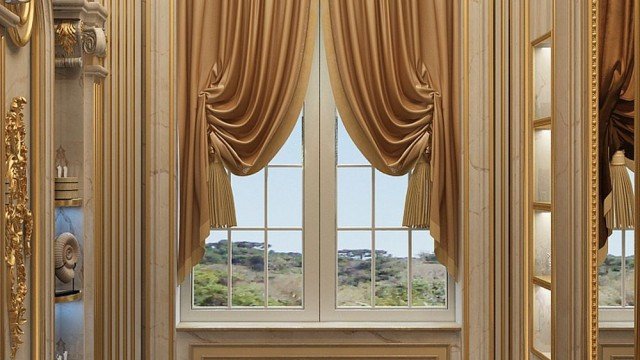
243	70
616	102
393	71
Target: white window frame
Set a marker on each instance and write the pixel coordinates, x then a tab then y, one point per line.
319	222
624	313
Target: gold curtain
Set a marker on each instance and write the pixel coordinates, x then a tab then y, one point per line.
243	70
392	65
616	129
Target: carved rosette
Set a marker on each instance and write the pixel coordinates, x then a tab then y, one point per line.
18	220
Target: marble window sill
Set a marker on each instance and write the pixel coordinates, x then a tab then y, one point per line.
616	325
315	326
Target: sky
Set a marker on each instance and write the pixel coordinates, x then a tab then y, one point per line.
354	190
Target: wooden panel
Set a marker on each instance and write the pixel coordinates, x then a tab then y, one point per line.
320	351
617	352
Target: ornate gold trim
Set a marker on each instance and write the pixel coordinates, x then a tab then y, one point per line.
18	220
68	298
2	194
21	34
592	170
66	37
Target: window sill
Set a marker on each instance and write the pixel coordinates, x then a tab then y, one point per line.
615	325
318	326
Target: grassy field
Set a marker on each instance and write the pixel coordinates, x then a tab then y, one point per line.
610	281
211	279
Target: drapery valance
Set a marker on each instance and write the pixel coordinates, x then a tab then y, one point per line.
243	69
392	69
616	97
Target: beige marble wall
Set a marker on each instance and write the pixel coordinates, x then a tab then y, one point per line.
160	182
478	130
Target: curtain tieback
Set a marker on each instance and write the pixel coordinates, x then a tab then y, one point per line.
416	206
619	204
222	212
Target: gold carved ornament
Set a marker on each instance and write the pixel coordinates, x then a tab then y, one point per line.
66	37
21	33
18	220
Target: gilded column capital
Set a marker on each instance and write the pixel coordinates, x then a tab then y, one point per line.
77	41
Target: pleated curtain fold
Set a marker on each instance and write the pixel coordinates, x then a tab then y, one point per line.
616	119
392	66
243	71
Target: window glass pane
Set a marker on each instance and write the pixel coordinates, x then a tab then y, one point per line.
542	243
248	268
354	268
284	202
542	80
390	193
248	193
542	166
348	153
211	275
630	261
392	252
542	320
291	151
609	279
285	268
354	197
429	277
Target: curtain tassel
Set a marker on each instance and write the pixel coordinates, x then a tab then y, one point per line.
222	212
416	206
619	204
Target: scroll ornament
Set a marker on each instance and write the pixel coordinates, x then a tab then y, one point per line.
21	33
18	220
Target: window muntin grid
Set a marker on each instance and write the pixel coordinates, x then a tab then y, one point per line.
251	271
369	216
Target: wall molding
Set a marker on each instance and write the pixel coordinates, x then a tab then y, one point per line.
320	351
117	137
617	352
159	180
